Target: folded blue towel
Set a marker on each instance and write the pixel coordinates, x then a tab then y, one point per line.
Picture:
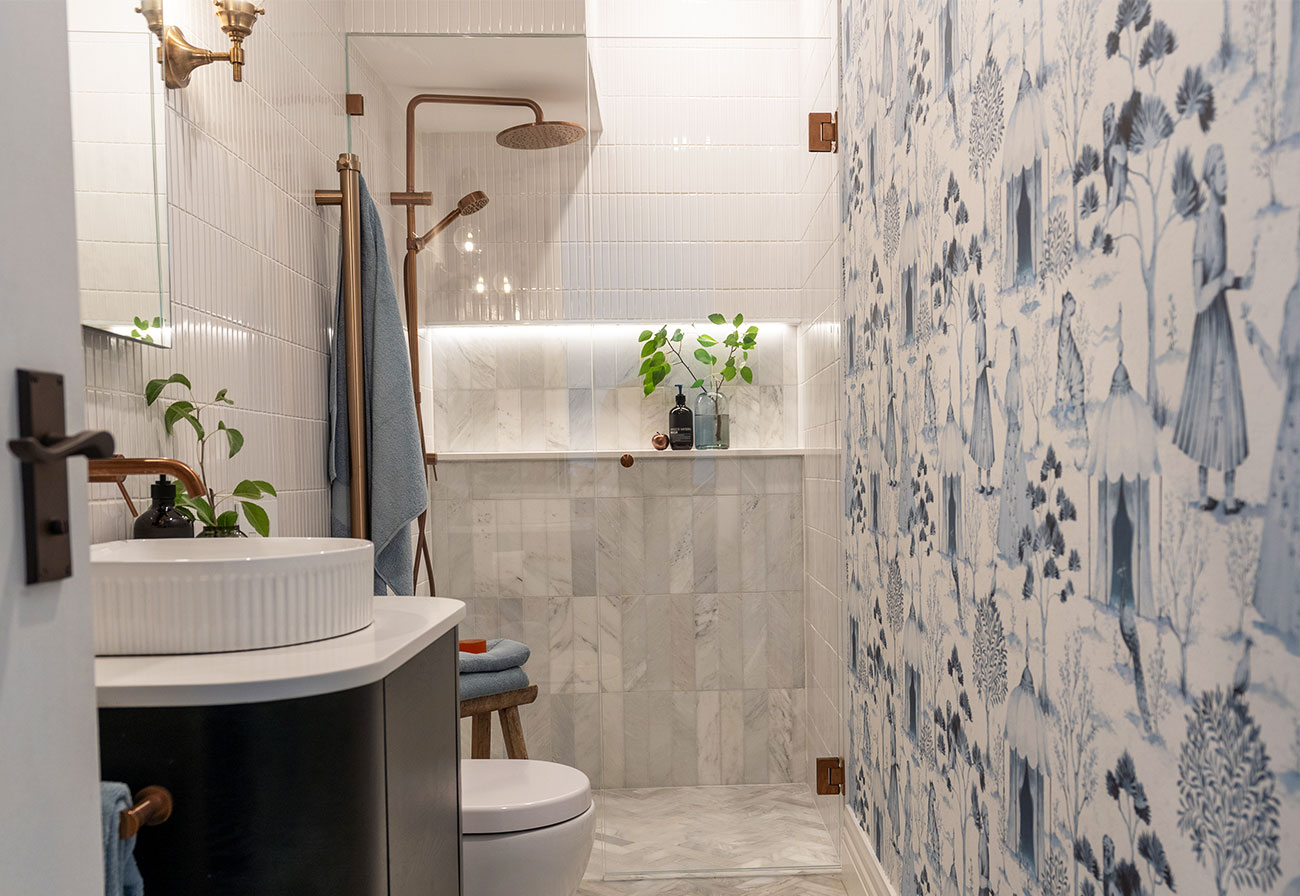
502	654
482	684
121	876
394	456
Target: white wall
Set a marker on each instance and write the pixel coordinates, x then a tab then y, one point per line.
49	768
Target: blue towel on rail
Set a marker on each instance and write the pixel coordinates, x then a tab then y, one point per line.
395	458
481	684
502	654
121	876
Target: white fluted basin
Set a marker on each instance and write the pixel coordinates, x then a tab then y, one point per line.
211	595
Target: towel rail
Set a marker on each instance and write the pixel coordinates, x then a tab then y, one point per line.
348	195
153	805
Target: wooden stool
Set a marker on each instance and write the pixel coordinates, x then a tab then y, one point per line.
507	707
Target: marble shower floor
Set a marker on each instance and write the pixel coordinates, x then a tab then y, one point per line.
662	831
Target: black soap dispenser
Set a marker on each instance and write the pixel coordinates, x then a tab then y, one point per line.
681	431
162	519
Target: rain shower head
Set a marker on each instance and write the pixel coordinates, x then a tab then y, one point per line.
541	134
469	204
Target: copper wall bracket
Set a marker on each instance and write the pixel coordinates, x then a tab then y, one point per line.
830	775
823	132
355	104
181	58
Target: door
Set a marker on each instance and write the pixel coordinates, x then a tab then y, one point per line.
49	833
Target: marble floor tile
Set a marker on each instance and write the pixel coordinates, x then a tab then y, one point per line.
800	885
661	830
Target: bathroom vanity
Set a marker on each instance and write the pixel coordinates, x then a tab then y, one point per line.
320	769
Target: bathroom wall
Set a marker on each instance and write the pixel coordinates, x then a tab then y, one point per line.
820	386
254	264
50	832
1070	276
662	604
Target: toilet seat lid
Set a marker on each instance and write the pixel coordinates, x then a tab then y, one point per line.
500	796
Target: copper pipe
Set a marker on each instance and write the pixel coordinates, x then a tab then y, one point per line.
454	99
349	197
114	469
153	805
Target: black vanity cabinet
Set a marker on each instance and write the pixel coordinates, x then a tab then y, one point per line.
347	793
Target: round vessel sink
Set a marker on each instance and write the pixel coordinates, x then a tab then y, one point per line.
211	595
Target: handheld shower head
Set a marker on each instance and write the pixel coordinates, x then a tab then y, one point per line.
472	202
469	204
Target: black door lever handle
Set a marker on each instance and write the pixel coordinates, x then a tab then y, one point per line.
88	442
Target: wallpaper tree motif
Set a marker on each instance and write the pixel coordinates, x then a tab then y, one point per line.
1072	283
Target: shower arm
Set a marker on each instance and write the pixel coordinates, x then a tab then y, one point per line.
417	244
457	99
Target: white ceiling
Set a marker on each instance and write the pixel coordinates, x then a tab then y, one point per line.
550	69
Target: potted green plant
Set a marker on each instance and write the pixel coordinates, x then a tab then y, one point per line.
722	360
206	508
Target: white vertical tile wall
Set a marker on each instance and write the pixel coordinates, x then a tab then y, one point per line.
254	264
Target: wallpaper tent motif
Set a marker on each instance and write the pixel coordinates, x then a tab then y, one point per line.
875	469
1022	177
913	655
1027	768
908	287
952	459
1122	460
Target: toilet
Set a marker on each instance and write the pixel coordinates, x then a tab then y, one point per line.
527	827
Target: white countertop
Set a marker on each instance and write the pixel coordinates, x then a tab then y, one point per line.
403	627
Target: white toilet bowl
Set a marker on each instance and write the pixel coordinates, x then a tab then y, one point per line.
527	827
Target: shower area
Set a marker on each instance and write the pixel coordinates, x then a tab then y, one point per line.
678	608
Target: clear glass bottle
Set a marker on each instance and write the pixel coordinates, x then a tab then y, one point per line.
712	421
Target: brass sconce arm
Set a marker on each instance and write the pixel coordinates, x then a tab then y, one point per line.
181	58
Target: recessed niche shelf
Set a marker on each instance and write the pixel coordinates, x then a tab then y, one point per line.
639	454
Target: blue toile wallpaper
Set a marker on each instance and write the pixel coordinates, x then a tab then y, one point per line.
1072	281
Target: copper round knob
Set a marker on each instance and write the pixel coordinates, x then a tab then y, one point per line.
627	460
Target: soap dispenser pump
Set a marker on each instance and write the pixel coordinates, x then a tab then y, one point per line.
681	430
162	519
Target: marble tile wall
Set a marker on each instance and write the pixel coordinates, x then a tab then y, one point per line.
575	387
253	265
662	602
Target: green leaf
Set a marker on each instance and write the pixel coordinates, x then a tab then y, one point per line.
228	520
752	332
717	319
678	335
698	384
645	366
157	321
175	412
706	340
732	340
746	374
704	357
221	397
738	320
658	375
234	436
202	509
728	373
257	518
648	388
154	388
645	334
247	488
648	349
266	487
140	324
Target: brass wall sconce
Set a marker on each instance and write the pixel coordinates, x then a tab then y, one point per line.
181	58
152	10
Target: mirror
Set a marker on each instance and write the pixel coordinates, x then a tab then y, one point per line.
119	159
